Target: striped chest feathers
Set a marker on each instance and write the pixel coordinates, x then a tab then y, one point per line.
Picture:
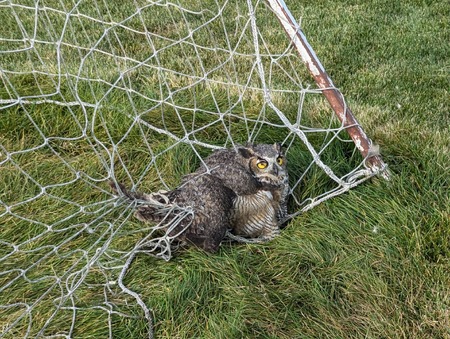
255	215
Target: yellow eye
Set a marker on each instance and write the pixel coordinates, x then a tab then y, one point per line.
262	164
280	161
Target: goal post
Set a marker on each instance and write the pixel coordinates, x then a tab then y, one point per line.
331	93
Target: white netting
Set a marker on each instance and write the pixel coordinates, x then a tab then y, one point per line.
135	92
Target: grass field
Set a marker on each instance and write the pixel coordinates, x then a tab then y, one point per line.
372	263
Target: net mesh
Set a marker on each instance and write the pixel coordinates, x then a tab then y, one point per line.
135	92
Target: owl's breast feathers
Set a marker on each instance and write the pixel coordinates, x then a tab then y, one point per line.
254	215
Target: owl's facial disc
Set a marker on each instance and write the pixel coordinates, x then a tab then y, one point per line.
269	170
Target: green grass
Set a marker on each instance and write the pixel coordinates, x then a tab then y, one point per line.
373	263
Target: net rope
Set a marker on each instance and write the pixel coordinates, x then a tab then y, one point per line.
136	92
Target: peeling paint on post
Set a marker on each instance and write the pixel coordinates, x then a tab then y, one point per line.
324	82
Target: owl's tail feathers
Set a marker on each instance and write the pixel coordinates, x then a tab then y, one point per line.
152	207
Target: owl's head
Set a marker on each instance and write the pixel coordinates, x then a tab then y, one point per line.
266	162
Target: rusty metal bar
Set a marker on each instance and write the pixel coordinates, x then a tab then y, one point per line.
324	82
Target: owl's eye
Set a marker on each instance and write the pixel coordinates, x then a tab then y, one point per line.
280	161
262	164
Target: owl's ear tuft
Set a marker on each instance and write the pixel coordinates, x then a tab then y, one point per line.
246	152
278	147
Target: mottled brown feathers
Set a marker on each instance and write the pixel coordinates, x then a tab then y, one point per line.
243	190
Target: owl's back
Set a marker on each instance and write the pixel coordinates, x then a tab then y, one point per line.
227	165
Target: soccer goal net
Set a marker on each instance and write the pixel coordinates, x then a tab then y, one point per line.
139	92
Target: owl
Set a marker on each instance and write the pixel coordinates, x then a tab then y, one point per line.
258	176
242	190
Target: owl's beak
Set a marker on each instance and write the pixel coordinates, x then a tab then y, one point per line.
274	170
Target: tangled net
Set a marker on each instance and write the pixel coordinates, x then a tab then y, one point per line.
136	92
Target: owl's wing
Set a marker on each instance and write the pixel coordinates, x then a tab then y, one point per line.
211	203
198	211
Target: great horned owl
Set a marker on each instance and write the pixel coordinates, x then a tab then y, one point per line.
242	190
257	174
